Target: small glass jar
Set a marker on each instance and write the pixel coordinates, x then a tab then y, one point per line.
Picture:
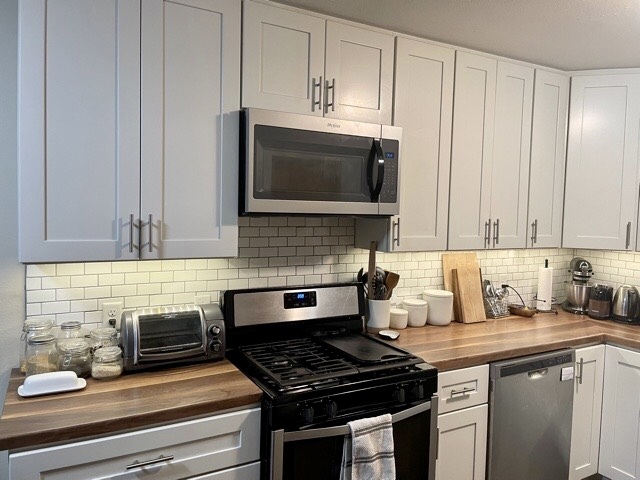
103	337
74	354
31	327
41	354
107	363
71	330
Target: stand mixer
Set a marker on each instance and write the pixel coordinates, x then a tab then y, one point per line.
578	290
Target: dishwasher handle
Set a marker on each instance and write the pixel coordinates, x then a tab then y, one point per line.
507	369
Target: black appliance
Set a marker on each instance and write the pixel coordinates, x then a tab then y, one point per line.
600	301
306	349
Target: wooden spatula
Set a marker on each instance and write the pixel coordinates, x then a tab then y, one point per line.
391	282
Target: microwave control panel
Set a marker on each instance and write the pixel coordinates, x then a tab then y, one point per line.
389	192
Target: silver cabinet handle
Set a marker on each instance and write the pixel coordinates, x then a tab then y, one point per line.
315	102
580	370
131	219
150	233
464	391
396	233
534	232
628	235
496	232
146	463
487	234
326	95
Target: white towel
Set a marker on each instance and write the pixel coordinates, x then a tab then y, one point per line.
368	452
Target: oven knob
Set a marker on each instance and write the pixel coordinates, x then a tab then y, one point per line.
215	346
331	408
214	330
399	395
418	391
307	414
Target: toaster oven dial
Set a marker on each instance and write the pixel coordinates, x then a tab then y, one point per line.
214	330
215	346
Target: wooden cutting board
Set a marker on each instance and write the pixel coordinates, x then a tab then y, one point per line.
457	260
468	289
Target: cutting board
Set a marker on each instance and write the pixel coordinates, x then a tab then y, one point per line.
468	289
457	260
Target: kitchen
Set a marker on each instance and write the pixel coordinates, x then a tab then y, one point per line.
50	287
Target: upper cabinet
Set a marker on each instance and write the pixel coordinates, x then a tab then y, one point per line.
331	69
548	146
423	108
601	196
126	150
490	153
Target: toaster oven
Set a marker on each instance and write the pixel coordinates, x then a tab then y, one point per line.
153	337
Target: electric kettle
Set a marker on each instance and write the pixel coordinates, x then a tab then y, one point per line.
626	305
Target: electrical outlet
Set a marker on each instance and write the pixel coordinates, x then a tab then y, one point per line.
111	312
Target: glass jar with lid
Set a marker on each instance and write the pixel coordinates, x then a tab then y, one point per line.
107	363
74	354
71	329
31	327
40	354
103	337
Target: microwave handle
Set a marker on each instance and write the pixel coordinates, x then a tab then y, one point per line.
376	156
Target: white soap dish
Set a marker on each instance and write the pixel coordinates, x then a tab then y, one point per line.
52	382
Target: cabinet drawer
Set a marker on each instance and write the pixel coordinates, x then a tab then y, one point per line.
191	448
463	388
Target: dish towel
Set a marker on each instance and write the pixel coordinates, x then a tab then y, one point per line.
367	453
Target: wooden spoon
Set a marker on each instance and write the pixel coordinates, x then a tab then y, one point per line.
391	282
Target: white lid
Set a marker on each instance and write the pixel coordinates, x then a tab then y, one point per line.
398	311
414	302
438	293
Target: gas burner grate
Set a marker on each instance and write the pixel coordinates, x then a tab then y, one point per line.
299	361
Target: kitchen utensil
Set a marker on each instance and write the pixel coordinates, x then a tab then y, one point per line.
417	309
391	282
388	334
440	306
577	293
600	301
469	290
363	349
522	310
372	268
456	260
626	305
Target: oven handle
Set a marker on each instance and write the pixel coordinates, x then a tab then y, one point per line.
344	429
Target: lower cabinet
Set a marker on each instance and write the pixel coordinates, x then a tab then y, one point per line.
222	447
462	423
620	433
587	407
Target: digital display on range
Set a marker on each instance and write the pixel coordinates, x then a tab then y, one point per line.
299	299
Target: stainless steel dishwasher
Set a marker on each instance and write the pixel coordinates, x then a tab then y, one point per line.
530	408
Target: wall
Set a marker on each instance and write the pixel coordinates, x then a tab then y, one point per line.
274	251
11	272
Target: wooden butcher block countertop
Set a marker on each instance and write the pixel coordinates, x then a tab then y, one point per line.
170	395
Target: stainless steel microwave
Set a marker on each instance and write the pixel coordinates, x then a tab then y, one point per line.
300	164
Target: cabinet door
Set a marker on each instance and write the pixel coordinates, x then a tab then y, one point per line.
472	151
359	66
423	108
511	153
601	194
587	407
79	130
190	113
282	59
548	147
462	444
619	437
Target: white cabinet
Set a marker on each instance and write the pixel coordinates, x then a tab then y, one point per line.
330	68
423	108
601	196
587	408
462	423
548	147
128	117
225	446
619	439
490	153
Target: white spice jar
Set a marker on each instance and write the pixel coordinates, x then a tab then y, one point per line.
417	311
398	318
107	363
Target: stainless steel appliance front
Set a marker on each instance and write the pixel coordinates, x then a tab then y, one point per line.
299	164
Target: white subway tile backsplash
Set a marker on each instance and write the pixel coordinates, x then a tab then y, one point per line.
70	269
85	281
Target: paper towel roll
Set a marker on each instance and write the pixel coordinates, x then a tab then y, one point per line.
545	288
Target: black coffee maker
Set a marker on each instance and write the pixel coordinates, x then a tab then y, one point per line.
600	301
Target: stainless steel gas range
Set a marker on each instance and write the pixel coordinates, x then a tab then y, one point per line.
306	349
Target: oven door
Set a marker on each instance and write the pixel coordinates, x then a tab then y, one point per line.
316	454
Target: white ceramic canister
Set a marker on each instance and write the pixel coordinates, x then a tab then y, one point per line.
417	311
398	318
378	315
440	306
